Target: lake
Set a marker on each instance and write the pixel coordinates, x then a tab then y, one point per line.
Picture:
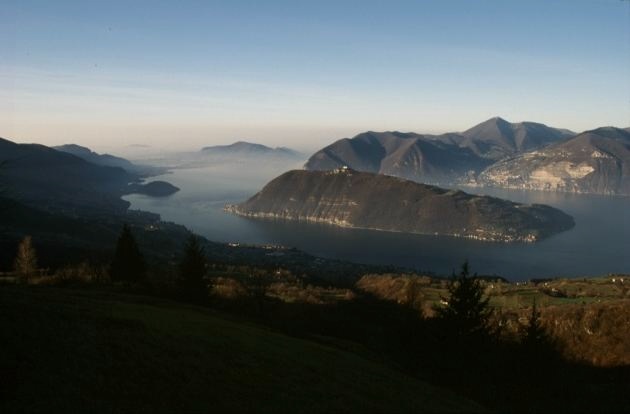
599	243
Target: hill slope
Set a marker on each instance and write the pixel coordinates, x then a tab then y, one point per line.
114	353
595	161
353	199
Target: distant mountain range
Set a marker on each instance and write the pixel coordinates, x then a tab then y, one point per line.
525	155
424	158
95	158
248	149
73	208
596	161
60	181
44	177
446	158
109	160
349	198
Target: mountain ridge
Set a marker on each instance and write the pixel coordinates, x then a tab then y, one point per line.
507	138
60	181
109	160
39	175
438	159
249	148
95	158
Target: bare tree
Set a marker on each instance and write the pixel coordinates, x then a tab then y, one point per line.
25	264
413	294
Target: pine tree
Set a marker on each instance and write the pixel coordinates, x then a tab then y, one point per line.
467	312
128	264
192	270
534	335
25	264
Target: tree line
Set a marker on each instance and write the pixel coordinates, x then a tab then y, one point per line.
465	315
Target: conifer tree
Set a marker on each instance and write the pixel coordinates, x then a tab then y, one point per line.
192	270
128	264
467	312
534	335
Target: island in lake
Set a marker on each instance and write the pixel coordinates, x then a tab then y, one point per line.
349	198
153	189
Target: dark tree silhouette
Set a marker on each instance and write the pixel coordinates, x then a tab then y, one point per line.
128	264
25	264
257	284
533	336
466	314
192	270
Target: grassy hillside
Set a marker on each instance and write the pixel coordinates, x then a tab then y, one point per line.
86	350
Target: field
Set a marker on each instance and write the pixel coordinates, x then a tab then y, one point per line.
503	295
91	350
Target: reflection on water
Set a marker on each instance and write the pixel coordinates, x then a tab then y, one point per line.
599	243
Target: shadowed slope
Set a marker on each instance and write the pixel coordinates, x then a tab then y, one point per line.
71	350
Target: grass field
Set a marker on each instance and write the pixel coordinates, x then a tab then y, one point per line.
88	350
502	295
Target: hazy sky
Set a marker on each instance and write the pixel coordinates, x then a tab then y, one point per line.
303	73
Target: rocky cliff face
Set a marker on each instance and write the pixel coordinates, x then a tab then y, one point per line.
595	161
362	200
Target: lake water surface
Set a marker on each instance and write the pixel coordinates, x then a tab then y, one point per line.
599	243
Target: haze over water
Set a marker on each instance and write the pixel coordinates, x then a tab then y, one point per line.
597	245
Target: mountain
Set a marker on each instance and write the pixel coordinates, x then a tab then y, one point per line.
242	148
446	158
497	138
349	198
412	156
49	179
73	208
109	160
596	161
95	158
44	177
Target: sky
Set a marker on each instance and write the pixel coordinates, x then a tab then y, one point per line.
186	74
